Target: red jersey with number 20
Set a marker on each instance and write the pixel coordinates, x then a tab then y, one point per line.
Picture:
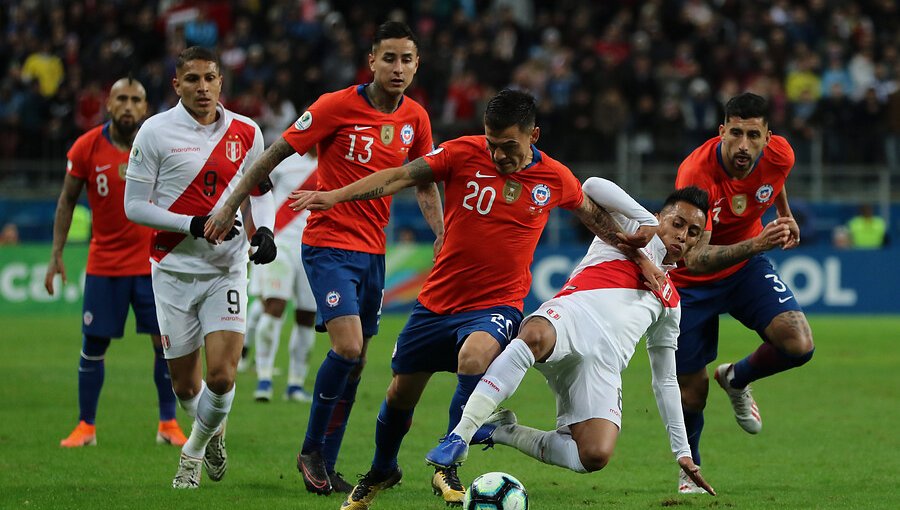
492	224
118	246
736	206
355	140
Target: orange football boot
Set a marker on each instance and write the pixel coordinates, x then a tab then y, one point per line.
83	435
170	433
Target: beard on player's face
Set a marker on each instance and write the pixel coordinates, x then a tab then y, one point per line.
125	125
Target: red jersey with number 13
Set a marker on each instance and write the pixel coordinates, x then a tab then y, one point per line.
492	224
736	206
355	140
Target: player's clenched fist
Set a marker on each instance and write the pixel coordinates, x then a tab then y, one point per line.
778	232
264	241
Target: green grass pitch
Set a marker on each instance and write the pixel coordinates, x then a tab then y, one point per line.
829	439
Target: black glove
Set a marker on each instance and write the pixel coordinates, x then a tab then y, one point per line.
199	222
264	240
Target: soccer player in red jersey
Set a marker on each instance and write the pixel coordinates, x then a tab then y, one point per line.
743	170
358	131
118	268
499	191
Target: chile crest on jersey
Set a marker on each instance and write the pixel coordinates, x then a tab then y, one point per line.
540	194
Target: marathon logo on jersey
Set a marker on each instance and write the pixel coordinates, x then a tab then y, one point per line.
304	121
387	134
739	204
234	150
88	318
333	298
406	134
166	343
764	193
540	195
511	191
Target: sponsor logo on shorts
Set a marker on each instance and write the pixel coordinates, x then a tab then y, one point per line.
166	343
88	318
615	412
231	318
540	195
333	298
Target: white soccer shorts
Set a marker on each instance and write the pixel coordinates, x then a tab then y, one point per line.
285	278
189	307
581	371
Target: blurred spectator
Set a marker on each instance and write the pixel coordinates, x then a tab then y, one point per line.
277	114
45	67
9	235
834	115
867	231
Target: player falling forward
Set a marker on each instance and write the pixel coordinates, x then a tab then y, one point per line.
282	280
358	131
118	268
499	191
183	165
583	339
743	170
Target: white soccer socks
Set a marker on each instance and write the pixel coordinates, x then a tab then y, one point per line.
211	411
302	339
268	336
549	447
497	384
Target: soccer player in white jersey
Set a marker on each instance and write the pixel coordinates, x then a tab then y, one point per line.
183	165
583	339
283	280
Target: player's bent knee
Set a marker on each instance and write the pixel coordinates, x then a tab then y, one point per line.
594	459
219	381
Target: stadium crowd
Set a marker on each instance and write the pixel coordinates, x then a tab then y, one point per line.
657	70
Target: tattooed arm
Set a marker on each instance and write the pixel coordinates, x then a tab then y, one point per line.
220	223
379	184
429	198
706	258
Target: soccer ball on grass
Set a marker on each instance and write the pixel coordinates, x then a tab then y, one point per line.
496	491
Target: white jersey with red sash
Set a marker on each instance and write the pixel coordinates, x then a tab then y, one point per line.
295	172
194	169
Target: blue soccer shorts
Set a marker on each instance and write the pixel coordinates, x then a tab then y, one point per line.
754	295
106	302
345	282
430	342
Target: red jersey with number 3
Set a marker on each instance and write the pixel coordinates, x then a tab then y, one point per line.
736	206
492	224
355	140
118	247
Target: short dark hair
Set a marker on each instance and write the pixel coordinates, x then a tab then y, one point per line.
691	195
394	30
511	107
747	106
197	53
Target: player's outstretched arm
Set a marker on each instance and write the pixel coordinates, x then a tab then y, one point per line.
68	197
379	184
706	258
220	223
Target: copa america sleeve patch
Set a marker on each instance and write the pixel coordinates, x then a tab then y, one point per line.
304	121
137	155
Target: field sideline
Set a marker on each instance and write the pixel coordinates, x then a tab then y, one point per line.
829	438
